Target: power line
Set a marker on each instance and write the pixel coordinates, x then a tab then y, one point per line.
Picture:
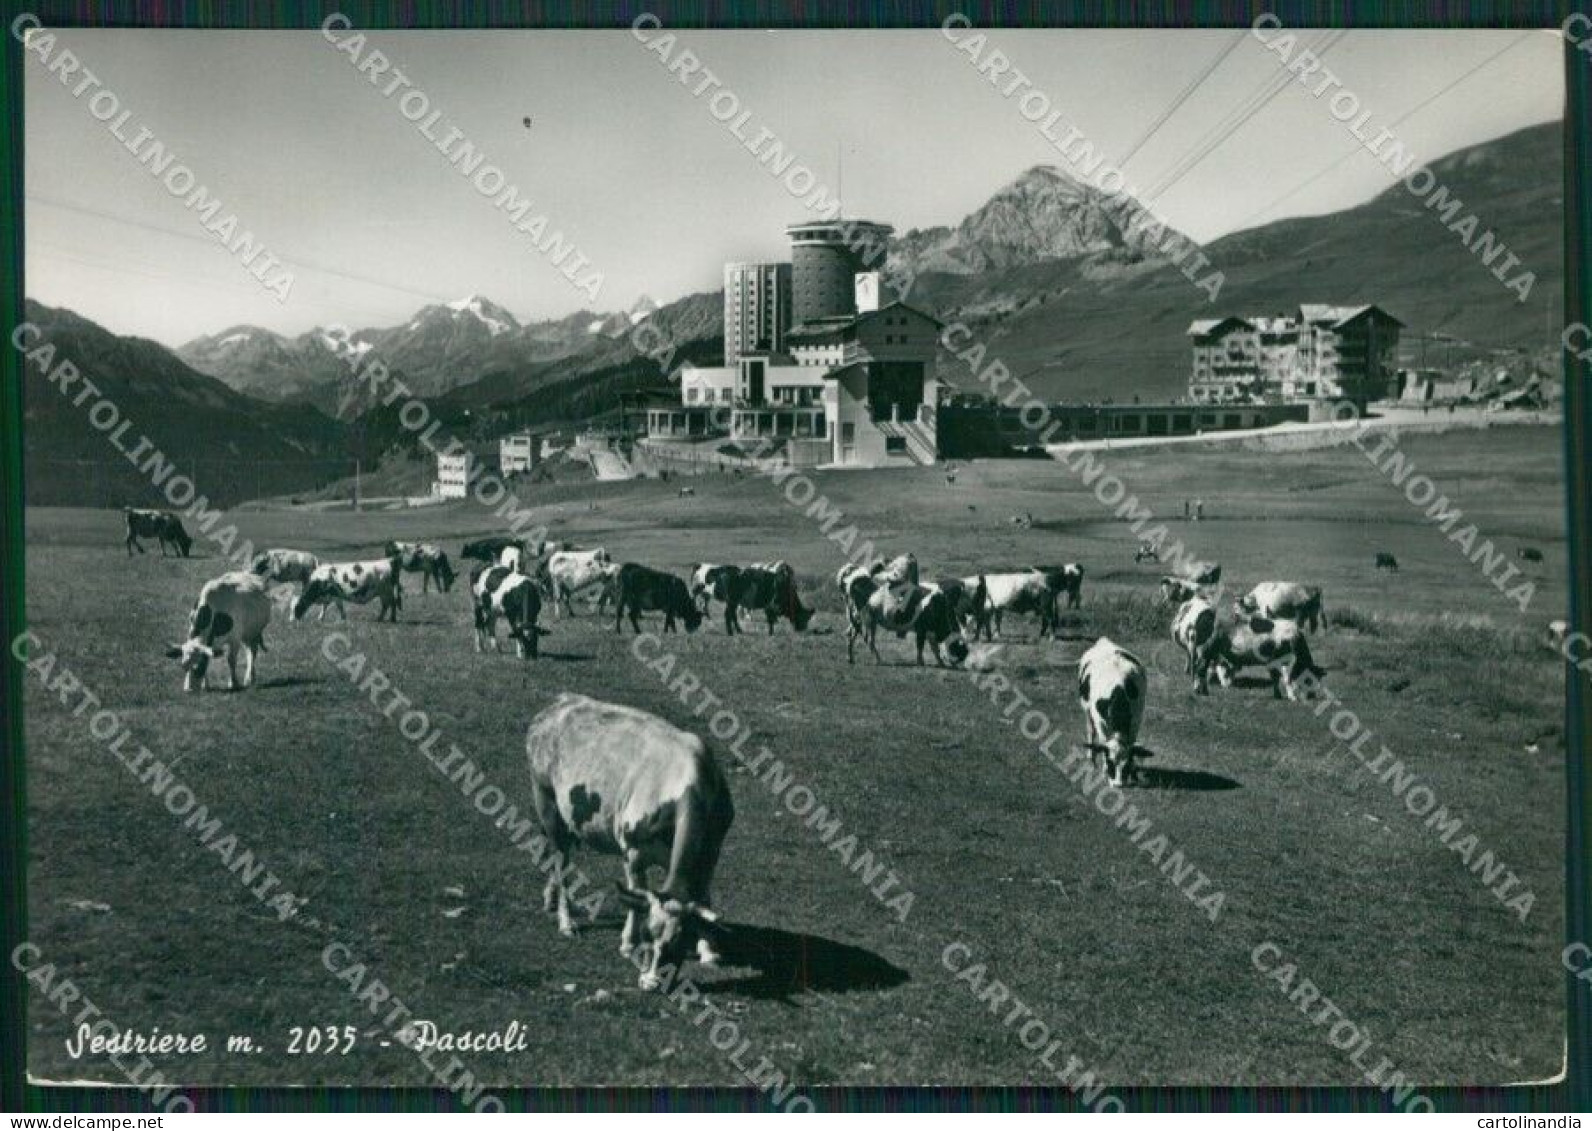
1216	138
1408	114
1181	98
296	261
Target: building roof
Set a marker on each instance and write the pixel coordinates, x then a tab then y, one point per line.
829	326
1336	316
1200	327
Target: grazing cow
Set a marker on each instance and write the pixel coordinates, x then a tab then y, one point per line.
618	780
687	492
359	582
645	590
769	586
499	591
1027	592
564	573
1277	645
1284	600
856	584
160	525
489	550
1529	554
969	598
425	559
923	610
283	566
231	615
1194	628
1386	561
1111	690
1176	590
1146	553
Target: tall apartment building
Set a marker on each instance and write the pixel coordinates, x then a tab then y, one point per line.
1318	352
757	308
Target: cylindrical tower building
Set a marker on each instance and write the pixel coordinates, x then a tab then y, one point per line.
825	258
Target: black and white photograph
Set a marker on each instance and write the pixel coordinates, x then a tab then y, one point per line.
795	558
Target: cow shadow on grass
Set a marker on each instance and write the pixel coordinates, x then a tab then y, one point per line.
788	962
287	681
1191	781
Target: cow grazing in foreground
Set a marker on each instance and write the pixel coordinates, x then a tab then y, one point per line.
923	610
645	590
358	582
163	526
1111	691
230	617
1029	592
499	591
1529	554
766	586
489	550
1284	600
618	780
1194	629
1387	561
429	561
281	567
1277	645
565	573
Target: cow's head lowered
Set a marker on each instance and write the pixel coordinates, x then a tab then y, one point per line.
193	656
671	930
181	538
316	590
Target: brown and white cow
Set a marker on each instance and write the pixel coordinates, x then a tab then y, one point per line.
641	589
1276	645
1284	600
1194	629
161	525
619	780
498	591
281	567
230	616
769	587
564	573
356	582
1112	687
426	559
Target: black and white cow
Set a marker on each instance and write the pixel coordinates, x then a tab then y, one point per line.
1176	590
766	586
428	560
230	616
645	590
358	582
499	591
1029	592
619	780
1112	687
969	599
907	606
1066	581
1529	554
161	525
1146	552
280	567
1386	561
1277	645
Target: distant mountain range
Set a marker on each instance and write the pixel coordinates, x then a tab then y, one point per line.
232	446
1065	295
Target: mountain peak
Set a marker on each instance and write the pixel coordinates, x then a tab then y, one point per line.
494	317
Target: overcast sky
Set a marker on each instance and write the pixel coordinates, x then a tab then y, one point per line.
642	179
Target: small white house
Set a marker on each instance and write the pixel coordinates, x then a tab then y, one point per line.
453	476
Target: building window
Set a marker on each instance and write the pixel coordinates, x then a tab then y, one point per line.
895	445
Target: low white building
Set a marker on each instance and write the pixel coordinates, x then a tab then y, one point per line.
518	453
